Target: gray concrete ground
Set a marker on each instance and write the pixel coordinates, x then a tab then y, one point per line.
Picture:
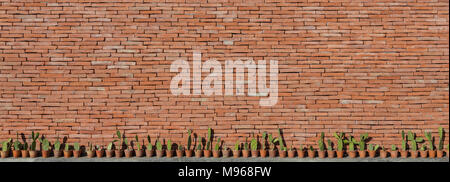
193	159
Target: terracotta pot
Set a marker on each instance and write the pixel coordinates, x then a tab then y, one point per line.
189	153
5	154
301	153
90	153
432	153
255	153
207	153
394	154
311	153
216	153
404	153
67	153
331	153
351	154
362	154
180	153
76	153
245	153
340	154
236	153
440	153
263	153
282	153
33	153
128	153
423	153
225	153
169	153
16	153
109	153
414	154
383	154
372	153
291	153
159	153
24	153
149	153
45	153
198	153
139	153
99	153
118	153
272	153
321	154
57	153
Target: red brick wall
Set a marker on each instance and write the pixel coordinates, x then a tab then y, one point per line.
84	68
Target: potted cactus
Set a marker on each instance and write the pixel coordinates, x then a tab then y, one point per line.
207	148
311	152
301	152
17	146
351	147
245	151
273	149
340	144
263	150
291	152
110	149
414	141
6	145
225	152
236	150
180	151
45	147
362	145
321	145
34	138
423	151
383	153
99	151
90	151
198	150
169	151
330	151
404	151
159	149
67	151
76	150
24	149
118	152
216	152
128	148
283	149
189	151
139	152
373	150
149	149
440	151
431	150
57	148
394	151
254	148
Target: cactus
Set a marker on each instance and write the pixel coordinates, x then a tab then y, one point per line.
280	139
321	143
76	146
372	148
404	141
57	144
430	140
208	140
254	144
90	148
17	145
34	137
263	143
351	143
245	144
45	144
189	141
217	146
6	145
236	145
441	139
393	147
340	141
158	145
138	145
199	147
111	145
330	145
423	147
180	147
169	145
149	145
311	148
414	140
362	141
66	147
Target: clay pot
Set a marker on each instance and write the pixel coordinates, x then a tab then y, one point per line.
169	153
383	154
90	153
207	153
321	154
291	153
351	154
16	153
225	153
301	153
362	154
423	153
255	153
432	153
25	153
394	154
118	153
33	153
216	153
76	153
198	153
57	153
149	153
263	153
68	153
404	153
282	153
340	154
128	153
189	153
180	153
109	153
45	153
331	153
5	154
245	153
414	154
372	153
311	153
236	153
440	153
272	153
99	153
139	153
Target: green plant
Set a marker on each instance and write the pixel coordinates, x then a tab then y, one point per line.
301	148
111	145
362	141
6	145
393	147
149	145
414	140
280	140
272	142
430	140
76	146
254	144
90	148
138	145
16	143
122	140
321	143
245	144
169	145
236	146
351	143
311	148
66	147
372	148
158	145
189	141
208	140
423	147
57	144
263	143
340	140
180	147
34	137
217	147
404	141
441	138
45	144
330	145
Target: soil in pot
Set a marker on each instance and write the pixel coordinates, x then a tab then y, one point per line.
33	153
311	153
216	153
331	153
245	153
291	153
16	153
423	153
236	153
372	153
139	153
57	153
263	153
118	153
76	153
351	154
109	153
255	153
45	153
149	153
180	153
394	154
128	153
272	153
432	153
383	154
90	153
321	154
24	153
67	153
414	154
198	153
340	154
207	153
404	153
189	153
362	154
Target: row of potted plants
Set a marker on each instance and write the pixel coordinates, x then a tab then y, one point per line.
269	146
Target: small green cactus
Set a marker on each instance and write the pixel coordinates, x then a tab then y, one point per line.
57	144
66	147
45	144
263	143
217	146
6	145
441	138
372	148
158	145
169	145
138	145
34	137
189	140
149	145
254	144
236	146
76	146
414	140
430	140
330	145
340	140
393	147
321	142
404	141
